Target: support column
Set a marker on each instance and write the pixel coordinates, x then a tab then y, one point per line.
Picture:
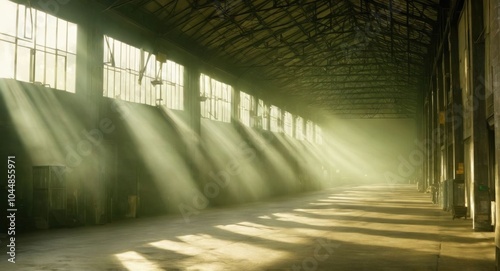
435	134
420	123
456	106
193	110
448	111
480	188
426	143
495	66
89	86
441	146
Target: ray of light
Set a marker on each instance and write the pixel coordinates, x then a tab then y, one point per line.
45	127
134	261
157	146
178	247
261	231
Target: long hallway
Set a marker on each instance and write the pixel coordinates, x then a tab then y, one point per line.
376	227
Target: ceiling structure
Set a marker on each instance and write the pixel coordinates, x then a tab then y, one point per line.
352	58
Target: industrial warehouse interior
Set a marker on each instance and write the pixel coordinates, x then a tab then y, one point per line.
250	135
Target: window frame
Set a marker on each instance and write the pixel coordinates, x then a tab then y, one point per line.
217	99
275	119
246	108
299	128
288	123
49	44
135	75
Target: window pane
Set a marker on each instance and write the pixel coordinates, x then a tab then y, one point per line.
274	111
180	98
40	28
51	37
288	124
299	124
132	82
20	21
61	67
61	34
23	64
319	138
133	60
50	74
35	31
157	94
111	85
121	57
40	67
116	87
245	108
116	53
7	56
72	38
9	11
29	16
70	73
163	95
149	92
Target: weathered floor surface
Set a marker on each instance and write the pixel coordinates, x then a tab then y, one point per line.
376	227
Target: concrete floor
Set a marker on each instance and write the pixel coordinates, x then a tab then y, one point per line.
346	228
